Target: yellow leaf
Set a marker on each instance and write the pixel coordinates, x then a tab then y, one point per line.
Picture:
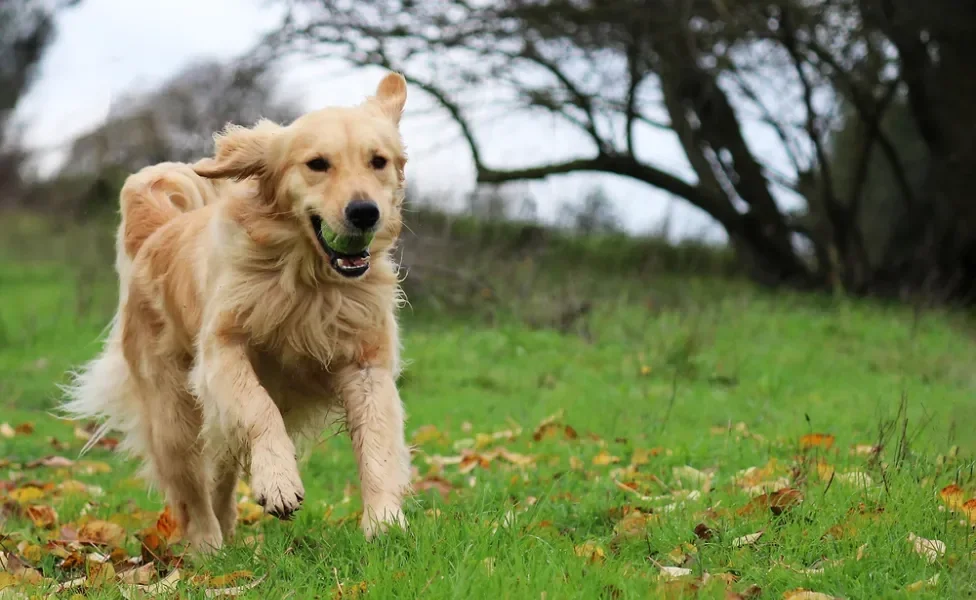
90	467
26	495
604	458
249	512
100	574
426	434
925	583
592	552
73	486
575	463
242	488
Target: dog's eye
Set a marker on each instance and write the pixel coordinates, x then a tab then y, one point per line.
318	164
378	162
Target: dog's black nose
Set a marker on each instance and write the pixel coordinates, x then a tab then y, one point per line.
362	214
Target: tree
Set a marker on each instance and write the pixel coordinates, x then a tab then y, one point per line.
594	213
26	31
700	69
176	121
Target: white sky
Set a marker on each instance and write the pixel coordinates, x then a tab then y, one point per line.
107	47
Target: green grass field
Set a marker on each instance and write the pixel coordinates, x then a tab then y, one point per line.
628	460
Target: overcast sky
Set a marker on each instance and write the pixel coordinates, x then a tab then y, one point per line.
107	47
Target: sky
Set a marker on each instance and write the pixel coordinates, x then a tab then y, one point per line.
105	48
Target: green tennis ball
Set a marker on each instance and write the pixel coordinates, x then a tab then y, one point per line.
345	244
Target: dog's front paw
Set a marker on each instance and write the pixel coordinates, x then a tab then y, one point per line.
276	484
378	520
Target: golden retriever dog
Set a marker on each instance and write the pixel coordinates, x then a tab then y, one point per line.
257	304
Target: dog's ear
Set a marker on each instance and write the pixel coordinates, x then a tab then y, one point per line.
391	95
240	152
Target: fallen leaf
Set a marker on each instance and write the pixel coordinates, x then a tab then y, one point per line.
668	573
953	496
100	574
51	461
167	584
27	494
591	551
427	434
605	458
801	594
918	586
747	540
168	527
704	532
248	512
142	575
857	478
816	440
930	549
575	463
776	502
866	450
690	475
6	430
102	533
438	484
24	429
42	516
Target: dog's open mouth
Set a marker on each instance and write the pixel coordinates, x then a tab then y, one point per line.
353	259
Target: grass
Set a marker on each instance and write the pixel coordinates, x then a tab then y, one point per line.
672	386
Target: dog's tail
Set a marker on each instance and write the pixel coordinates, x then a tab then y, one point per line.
105	391
154	196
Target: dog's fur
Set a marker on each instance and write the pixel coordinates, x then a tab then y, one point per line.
234	335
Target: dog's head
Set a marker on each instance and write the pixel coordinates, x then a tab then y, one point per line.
338	172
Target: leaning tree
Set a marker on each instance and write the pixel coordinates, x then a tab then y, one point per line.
617	70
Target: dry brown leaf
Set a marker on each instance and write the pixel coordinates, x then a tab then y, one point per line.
633	524
102	533
168	527
930	549
167	584
42	516
235	590
24	429
142	575
817	440
438	484
52	462
704	532
776	502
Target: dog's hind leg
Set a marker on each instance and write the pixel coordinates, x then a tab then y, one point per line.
174	420
227	470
